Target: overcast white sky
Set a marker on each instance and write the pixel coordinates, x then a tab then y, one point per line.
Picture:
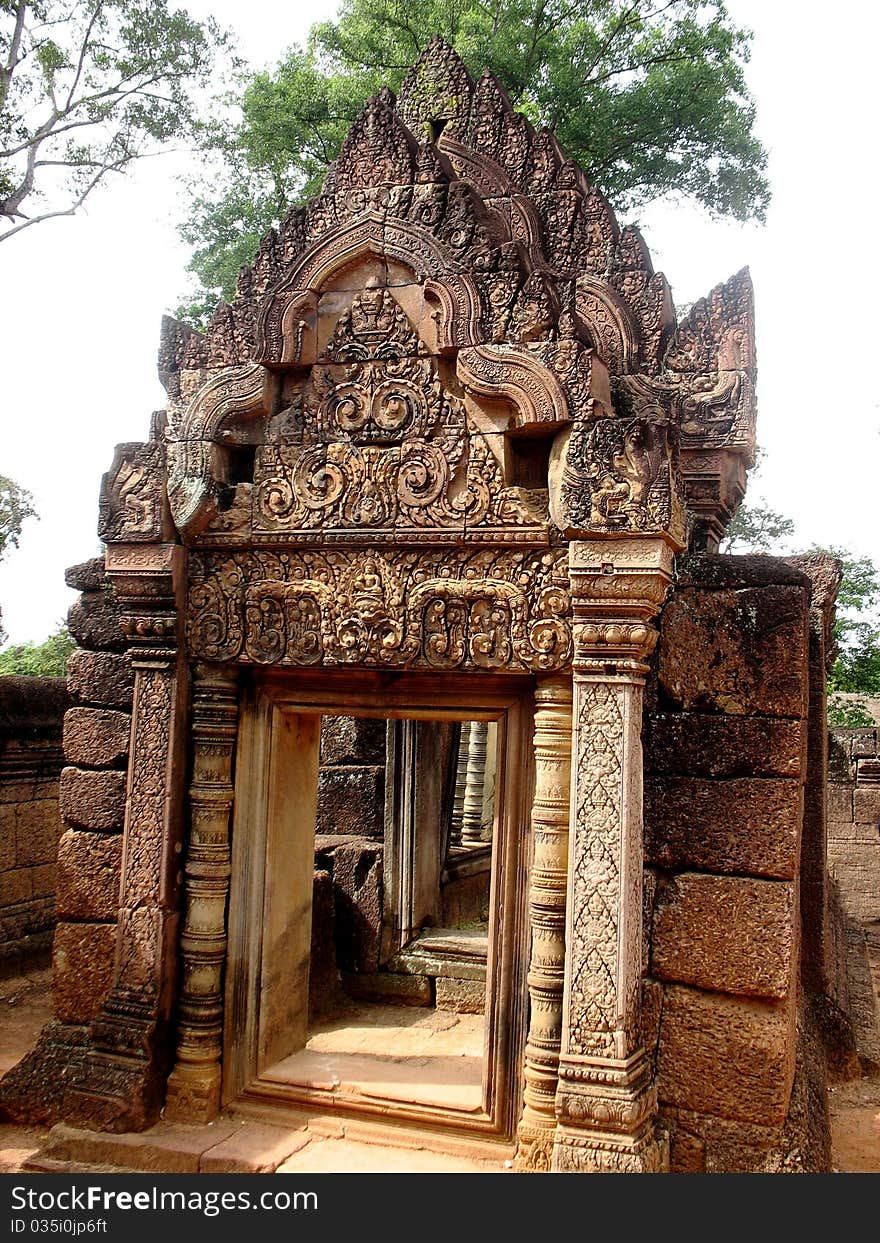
83	297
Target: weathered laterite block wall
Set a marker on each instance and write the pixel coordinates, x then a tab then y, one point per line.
725	756
96	739
854	866
31	712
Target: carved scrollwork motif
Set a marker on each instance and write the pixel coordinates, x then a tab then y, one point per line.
440	610
384	444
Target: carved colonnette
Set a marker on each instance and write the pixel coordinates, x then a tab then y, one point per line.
547	904
121	1084
194	1084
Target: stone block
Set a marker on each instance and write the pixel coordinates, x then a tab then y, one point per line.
253	1149
848	831
399	990
857	875
866	805
324	988
460	996
93	621
357	886
7	836
83	969
102	678
687	1153
15	886
729	1056
840	802
745	826
88	875
351	800
752	570
96	737
93	800
864	743
726	933
86	575
697	744
33	1090
352	740
838	758
37	829
740	652
44	880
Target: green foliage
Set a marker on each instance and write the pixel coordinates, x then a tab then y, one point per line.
649	99
856	668
47	659
16	505
86	87
756	528
848	713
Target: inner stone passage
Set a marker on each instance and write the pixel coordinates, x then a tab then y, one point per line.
400	914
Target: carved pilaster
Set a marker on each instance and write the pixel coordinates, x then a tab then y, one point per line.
605	1100
121	1084
194	1085
550	817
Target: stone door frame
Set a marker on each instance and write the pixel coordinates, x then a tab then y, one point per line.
265	1010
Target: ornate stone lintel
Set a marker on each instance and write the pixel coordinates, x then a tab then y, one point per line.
194	1085
121	1085
550	813
604	1101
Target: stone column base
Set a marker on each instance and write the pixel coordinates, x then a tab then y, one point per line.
534	1149
606	1109
193	1094
577	1151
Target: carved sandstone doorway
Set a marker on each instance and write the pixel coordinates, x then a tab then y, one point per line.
267	1028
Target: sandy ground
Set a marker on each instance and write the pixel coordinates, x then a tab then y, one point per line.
25	1005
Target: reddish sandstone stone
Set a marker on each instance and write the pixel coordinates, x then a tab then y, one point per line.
741	652
86	575
749	825
83	969
729	1056
727	933
93	621
88	875
102	678
96	737
93	800
702	745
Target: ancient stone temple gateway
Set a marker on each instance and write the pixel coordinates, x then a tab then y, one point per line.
430	473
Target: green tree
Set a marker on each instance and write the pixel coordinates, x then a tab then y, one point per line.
756	528
650	98
87	87
46	660
16	506
856	668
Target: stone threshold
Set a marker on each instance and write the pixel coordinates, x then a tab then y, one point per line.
243	1142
